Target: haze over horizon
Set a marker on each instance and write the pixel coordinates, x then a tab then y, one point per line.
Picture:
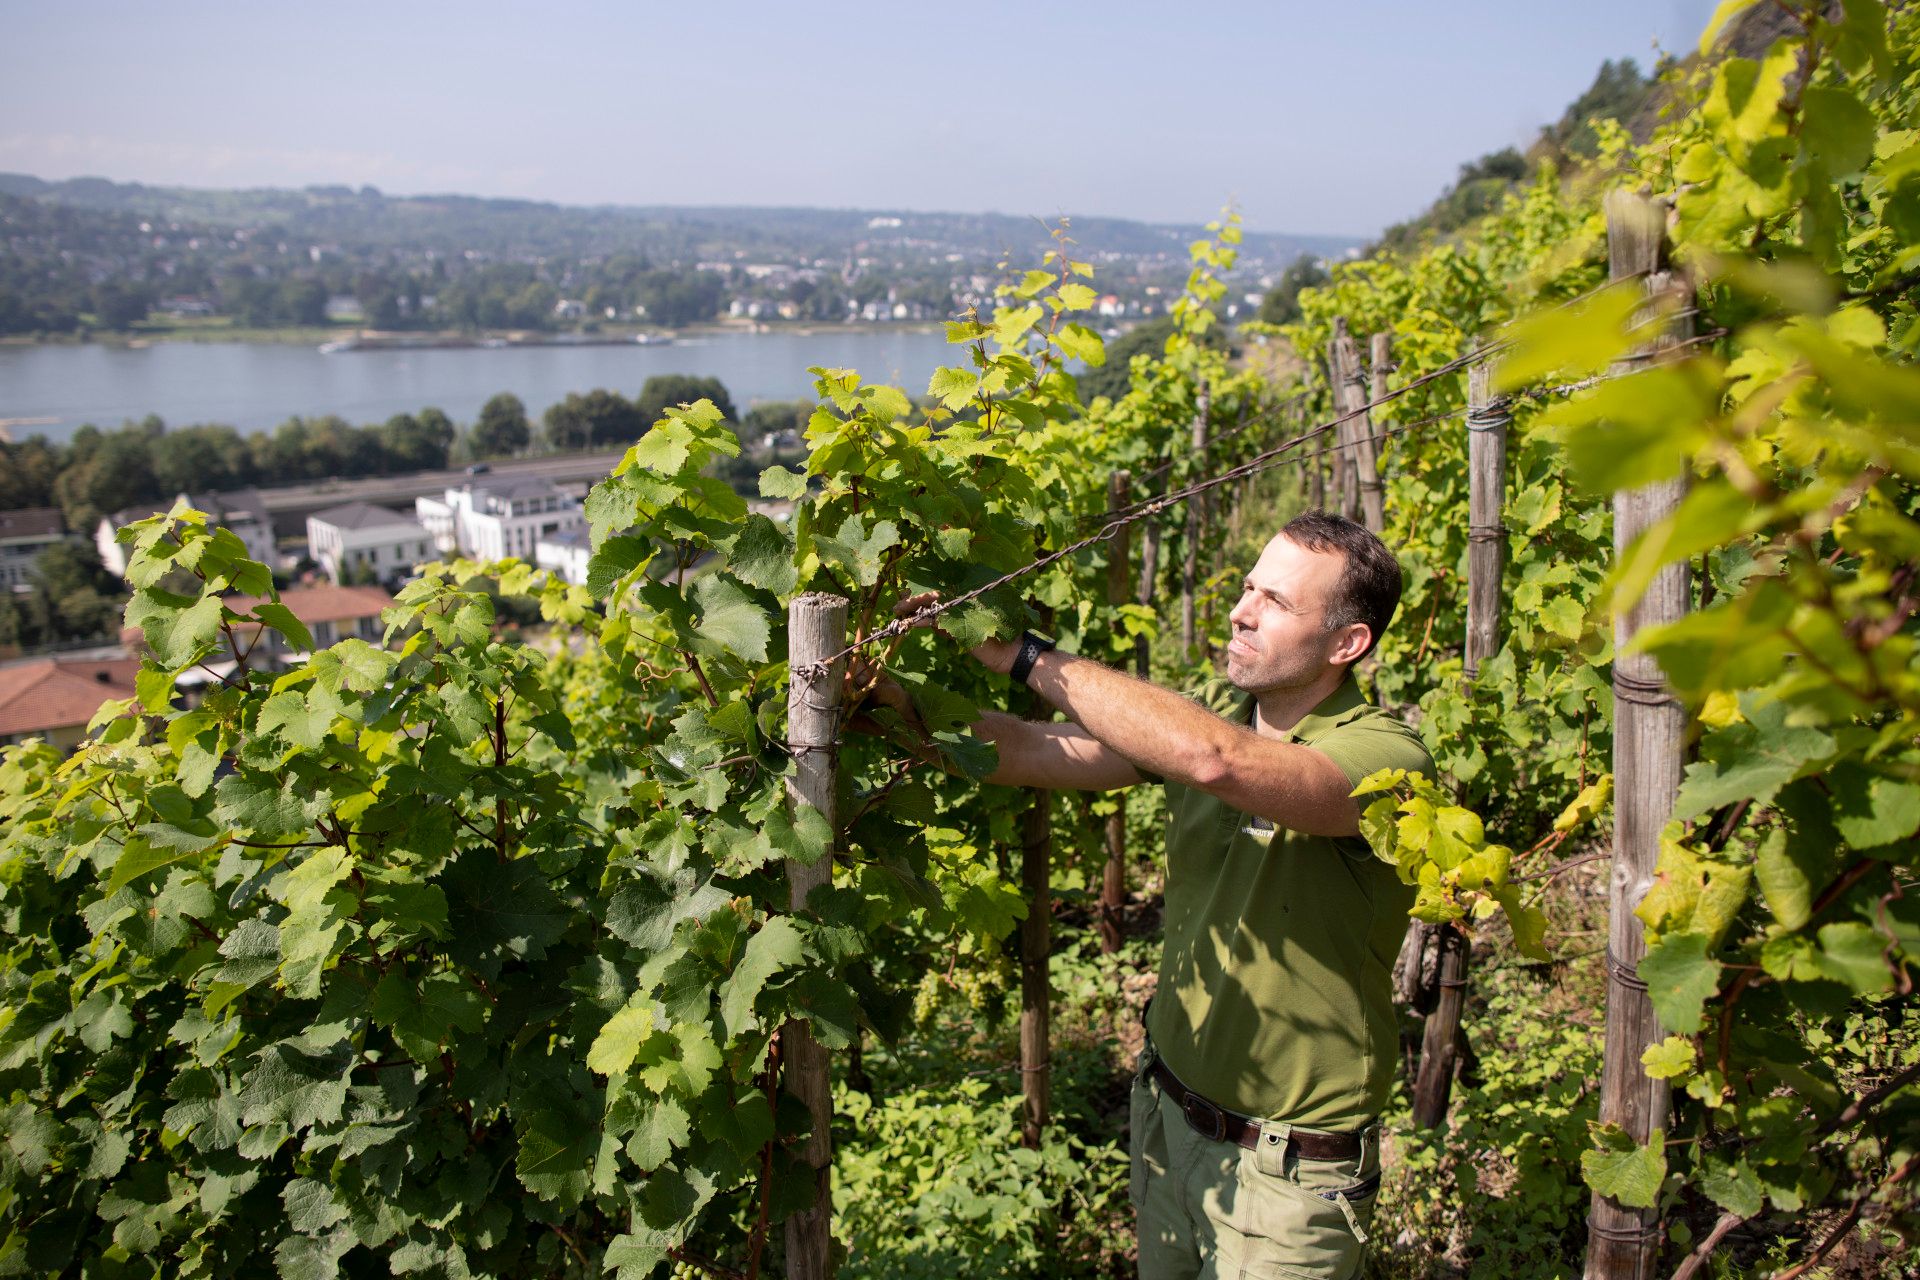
1315	122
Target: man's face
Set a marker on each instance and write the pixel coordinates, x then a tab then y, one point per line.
1279	635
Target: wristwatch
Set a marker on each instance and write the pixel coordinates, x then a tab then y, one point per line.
1031	647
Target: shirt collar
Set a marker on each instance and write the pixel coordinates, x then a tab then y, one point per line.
1343	704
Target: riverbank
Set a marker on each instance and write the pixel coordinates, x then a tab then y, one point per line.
220	329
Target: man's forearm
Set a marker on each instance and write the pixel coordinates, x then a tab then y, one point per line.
1157	729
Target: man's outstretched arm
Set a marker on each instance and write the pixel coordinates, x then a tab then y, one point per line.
1033	753
1062	757
1161	732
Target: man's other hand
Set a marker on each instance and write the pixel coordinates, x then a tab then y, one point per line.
996	655
871	681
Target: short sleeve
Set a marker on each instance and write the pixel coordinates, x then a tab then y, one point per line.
1372	743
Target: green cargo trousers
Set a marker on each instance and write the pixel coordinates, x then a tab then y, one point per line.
1209	1210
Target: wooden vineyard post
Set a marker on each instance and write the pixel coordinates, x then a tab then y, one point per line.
1487	416
1343	488
1363	466
1649	743
1379	364
1113	878
816	628
1196	527
1147	593
1317	469
1036	946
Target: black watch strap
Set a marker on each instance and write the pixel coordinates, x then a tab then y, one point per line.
1031	647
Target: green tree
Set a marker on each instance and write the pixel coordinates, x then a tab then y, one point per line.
28	469
599	417
74	595
107	471
196	459
120	306
1281	305
438	429
501	429
663	390
302	302
413	442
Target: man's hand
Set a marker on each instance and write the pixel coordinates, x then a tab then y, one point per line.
871	681
996	655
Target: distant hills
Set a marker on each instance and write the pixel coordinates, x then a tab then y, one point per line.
366	218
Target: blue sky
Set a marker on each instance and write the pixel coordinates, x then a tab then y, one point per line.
1335	118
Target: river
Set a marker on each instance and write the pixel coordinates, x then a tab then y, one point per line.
257	386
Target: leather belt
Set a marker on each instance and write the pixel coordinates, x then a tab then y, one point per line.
1210	1120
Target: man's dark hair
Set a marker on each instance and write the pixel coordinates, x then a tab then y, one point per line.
1369	588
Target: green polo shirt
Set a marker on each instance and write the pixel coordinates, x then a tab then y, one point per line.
1276	992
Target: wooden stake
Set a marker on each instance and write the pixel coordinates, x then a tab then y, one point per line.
1364	491
1487	418
816	627
1036	946
1649	743
1196	527
1148	592
1342	488
1379	364
1317	471
1439	1045
1113	878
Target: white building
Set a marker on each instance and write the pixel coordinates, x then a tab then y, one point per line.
501	519
358	539
565	553
24	534
242	512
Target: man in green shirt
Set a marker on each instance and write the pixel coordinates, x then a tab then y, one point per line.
1271	1039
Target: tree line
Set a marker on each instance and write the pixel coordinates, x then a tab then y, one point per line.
99	472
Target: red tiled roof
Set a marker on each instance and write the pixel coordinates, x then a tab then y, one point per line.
54	693
322	603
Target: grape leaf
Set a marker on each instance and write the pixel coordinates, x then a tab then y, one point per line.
498	910
286	622
1082	344
1671	1057
1680	979
773	947
557	1145
1621	1168
731	622
780	484
311	1206
620	1039
294	1088
661	1127
761	555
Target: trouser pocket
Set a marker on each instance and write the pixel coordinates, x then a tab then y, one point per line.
1307	1223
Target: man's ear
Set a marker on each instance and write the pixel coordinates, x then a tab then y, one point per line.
1354	640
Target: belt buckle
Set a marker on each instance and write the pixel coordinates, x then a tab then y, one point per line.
1193	1107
